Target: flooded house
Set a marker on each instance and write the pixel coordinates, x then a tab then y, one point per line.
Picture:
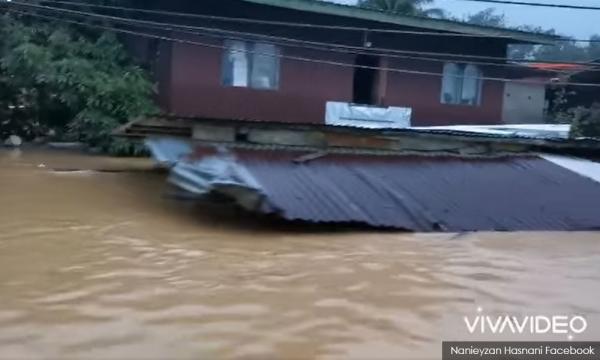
262	110
96	263
419	179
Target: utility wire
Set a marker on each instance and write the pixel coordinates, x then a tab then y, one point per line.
537	4
374	53
242	36
210	32
296	24
367	50
293	24
295	58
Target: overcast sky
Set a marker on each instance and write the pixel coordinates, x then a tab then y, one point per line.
577	23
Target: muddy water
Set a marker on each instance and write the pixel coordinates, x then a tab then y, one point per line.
97	265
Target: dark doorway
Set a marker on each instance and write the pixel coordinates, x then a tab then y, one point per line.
365	80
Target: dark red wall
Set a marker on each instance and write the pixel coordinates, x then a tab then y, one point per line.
422	93
304	88
196	90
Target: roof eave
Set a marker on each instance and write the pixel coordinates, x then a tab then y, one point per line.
432	24
592	65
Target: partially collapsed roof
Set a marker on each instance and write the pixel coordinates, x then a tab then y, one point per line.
413	193
328	8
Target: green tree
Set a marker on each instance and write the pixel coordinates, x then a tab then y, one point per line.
594	48
74	81
487	17
569	50
408	7
564	51
586	122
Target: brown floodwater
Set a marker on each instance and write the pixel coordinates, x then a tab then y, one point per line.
101	265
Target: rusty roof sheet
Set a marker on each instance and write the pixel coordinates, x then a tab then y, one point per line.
558	66
414	193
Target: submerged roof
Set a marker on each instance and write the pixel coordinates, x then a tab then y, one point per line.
325	7
526	131
528	137
414	193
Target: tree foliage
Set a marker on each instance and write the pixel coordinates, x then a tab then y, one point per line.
586	122
409	7
60	78
487	17
564	51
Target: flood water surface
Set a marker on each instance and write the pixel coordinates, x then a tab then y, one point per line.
101	265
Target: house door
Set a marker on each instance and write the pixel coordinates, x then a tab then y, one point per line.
523	103
366	80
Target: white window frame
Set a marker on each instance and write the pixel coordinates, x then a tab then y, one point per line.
241	65
462	84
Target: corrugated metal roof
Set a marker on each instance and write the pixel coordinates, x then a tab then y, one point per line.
427	194
558	66
168	151
587	168
405	192
553	135
526	131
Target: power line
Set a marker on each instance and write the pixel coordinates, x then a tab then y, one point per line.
281	41
373	53
295	58
366	50
294	24
537	4
265	22
209	32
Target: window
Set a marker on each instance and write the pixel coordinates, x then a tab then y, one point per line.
461	84
249	64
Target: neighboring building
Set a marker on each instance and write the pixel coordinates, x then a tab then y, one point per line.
584	96
548	80
237	73
532	97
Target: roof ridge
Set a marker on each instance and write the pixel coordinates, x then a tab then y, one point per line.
410	20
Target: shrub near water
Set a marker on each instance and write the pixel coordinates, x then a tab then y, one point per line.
586	122
79	84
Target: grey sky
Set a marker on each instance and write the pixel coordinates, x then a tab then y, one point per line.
577	23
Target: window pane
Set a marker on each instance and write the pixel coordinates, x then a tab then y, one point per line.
265	67
451	84
235	64
471	89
